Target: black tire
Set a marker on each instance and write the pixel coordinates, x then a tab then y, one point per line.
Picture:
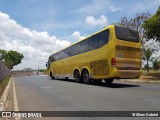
52	77
66	78
97	81
108	81
77	76
85	77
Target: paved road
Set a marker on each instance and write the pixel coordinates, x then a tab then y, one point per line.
40	93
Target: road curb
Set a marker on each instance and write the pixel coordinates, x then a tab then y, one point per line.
3	99
142	81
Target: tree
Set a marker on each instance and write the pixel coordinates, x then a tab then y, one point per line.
156	64
11	58
152	26
2	54
147	55
9	64
136	23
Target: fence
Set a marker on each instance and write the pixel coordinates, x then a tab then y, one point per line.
22	72
4	71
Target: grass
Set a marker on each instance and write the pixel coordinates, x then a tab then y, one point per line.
149	78
151	75
3	84
155	79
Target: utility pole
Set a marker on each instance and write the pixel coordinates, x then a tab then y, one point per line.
38	70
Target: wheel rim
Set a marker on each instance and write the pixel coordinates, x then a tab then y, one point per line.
86	77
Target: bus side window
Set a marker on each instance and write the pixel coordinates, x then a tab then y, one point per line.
67	53
92	42
83	46
74	50
103	38
56	56
61	55
53	58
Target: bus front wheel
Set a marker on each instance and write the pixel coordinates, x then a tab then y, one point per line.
85	77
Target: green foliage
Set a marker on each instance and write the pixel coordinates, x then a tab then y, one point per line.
4	83
2	54
147	56
9	63
11	58
147	53
156	64
43	70
158	11
152	26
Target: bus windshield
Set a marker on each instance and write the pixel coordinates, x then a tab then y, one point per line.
126	34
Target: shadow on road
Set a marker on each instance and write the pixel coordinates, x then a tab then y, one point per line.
120	85
103	84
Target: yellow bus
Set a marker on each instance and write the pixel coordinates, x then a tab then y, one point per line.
111	53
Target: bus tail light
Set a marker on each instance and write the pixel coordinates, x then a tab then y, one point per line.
113	62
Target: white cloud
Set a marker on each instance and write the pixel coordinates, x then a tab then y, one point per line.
114	9
94	7
35	46
102	21
76	35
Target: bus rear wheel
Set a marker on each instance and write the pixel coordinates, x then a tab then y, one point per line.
77	76
108	81
85	77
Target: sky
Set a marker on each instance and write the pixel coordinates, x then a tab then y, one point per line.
38	28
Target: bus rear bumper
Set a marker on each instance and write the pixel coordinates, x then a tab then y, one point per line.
128	73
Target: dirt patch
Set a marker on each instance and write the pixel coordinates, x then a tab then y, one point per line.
143	77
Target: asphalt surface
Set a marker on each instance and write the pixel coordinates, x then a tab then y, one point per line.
40	93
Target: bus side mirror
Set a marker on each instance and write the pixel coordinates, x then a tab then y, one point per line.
46	64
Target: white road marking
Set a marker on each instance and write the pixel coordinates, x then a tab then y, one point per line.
15	100
46	87
43	75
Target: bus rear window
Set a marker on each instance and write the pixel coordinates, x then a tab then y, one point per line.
127	34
